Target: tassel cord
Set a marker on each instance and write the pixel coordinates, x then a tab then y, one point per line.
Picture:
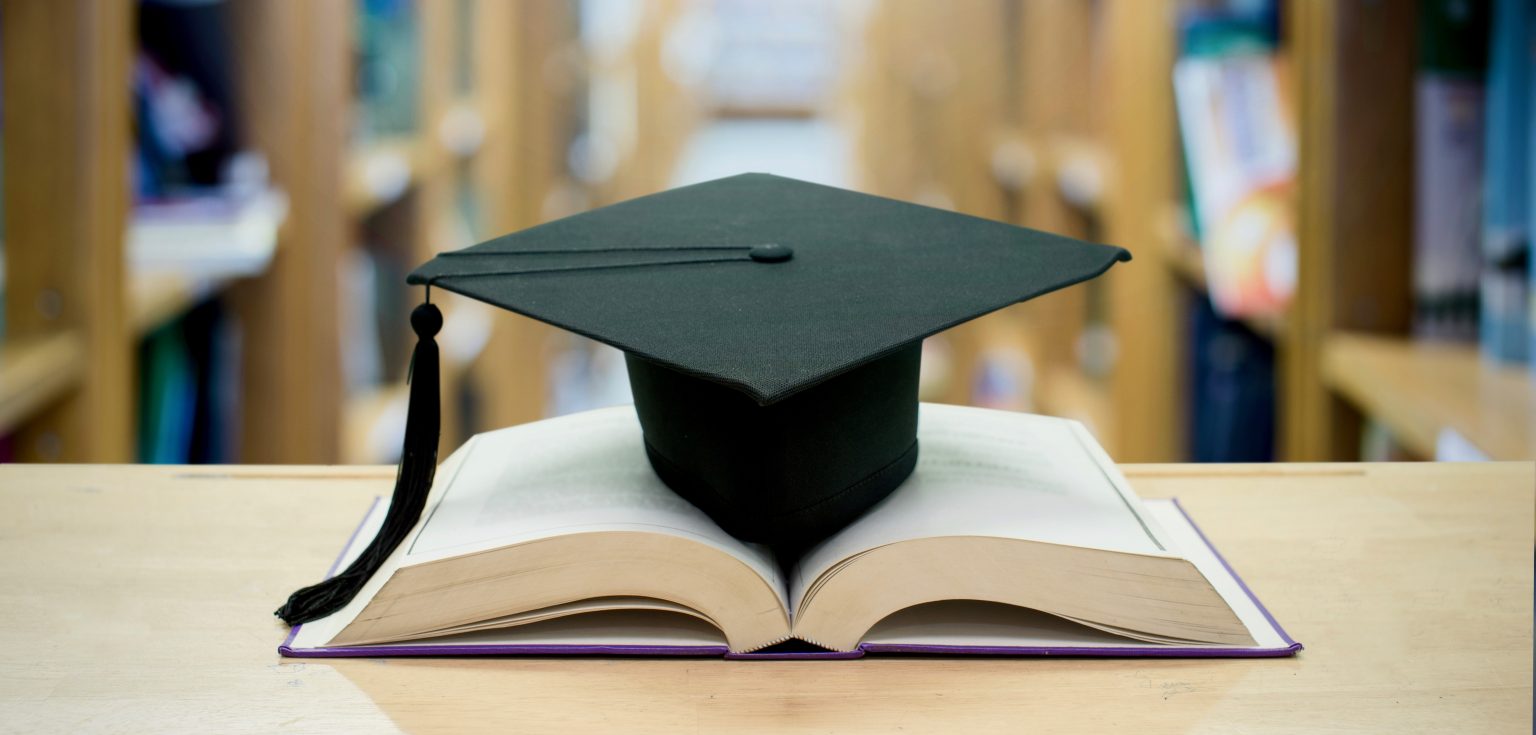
413	481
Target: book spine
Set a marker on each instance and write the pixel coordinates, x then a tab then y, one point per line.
1529	61
1448	156
1505	330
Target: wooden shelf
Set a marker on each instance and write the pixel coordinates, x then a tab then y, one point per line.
1186	261
176	261
380	172
1419	390
36	371
156	298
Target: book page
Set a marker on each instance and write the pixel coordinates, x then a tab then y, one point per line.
608	628
995	473
615	628
973	624
581	473
969	624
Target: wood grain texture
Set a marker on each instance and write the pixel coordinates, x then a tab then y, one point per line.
66	138
1146	305
517	173
1419	389
435	193
1354	95
293	61
35	371
138	598
1054	43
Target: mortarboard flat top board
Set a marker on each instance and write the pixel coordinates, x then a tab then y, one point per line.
672	278
772	329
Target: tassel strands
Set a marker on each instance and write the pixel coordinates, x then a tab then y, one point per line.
413	481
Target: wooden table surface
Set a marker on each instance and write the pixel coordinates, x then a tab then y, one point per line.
140	599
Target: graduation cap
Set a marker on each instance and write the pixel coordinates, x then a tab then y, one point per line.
772	330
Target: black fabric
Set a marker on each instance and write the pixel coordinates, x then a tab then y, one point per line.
667	277
789	473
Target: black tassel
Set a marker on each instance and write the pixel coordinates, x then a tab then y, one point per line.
418	462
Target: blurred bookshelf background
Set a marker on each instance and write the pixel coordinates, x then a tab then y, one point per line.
210	207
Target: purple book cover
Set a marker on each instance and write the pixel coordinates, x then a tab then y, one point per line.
1290	647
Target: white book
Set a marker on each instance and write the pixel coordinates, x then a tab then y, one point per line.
1015	534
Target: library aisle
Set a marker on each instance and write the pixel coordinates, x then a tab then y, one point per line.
209	208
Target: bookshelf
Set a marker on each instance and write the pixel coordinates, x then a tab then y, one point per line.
76	303
1083	139
556	103
1343	348
1146	300
509	140
409	184
155	298
35	372
76	308
66	137
1421	390
1351	85
1355	66
989	109
1051	114
1022	94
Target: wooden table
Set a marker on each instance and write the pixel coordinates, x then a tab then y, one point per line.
140	598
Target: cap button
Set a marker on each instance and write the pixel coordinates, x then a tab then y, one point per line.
771	253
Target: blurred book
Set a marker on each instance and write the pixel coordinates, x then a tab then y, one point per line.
1448	167
216	234
1231	392
189	385
388	68
214	345
1217	28
1508	159
185	111
1240	150
167	397
203	207
1530	210
1451	446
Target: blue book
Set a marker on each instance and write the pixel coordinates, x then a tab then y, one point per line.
1529	61
1504	324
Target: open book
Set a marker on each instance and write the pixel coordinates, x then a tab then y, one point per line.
1015	534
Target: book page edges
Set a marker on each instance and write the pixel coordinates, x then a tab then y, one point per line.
309	640
1270	639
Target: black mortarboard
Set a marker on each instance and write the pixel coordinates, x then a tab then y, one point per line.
772	329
